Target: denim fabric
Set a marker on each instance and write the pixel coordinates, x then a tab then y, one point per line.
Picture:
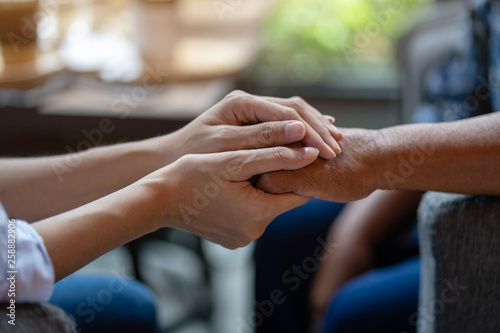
100	303
381	301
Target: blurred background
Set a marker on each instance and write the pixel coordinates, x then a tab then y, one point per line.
151	66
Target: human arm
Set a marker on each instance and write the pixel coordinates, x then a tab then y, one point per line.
461	156
208	195
36	188
358	230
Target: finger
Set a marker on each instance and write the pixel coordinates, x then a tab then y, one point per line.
244	164
337	135
316	134
324	128
313	138
250	109
269	134
273	182
314	118
330	119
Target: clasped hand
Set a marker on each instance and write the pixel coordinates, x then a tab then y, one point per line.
207	190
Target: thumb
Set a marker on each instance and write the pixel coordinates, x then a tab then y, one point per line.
270	134
248	163
274	182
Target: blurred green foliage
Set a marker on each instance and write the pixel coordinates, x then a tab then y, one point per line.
308	36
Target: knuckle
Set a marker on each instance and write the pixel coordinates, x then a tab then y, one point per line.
226	137
296	106
238	97
233	99
298	103
236	162
266	133
290	113
239	92
236	93
298	99
188	159
280	153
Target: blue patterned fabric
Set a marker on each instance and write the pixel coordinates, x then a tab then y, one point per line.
467	82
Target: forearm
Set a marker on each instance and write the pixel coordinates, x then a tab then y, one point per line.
36	188
231	213
79	236
461	156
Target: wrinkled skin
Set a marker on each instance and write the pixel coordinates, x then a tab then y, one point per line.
348	177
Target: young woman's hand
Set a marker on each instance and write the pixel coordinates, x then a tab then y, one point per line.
211	195
244	121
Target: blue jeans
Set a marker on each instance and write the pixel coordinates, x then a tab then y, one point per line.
101	303
383	300
286	261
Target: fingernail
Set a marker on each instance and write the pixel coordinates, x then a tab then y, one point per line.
308	152
337	147
333	153
335	129
295	130
333	146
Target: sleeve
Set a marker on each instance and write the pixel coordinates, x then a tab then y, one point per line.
26	271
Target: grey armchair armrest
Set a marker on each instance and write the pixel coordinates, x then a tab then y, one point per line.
37	318
460	250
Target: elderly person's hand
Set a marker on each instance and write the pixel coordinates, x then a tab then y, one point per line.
345	178
458	157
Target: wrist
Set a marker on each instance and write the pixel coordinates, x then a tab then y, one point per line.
394	158
378	159
366	146
144	203
162	150
163	191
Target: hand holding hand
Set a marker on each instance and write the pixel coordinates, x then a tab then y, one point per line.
210	195
346	178
244	121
